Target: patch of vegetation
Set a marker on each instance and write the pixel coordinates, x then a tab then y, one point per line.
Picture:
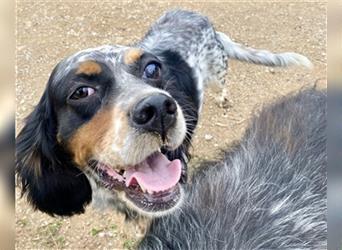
114	227
95	231
54	227
129	244
51	237
22	222
60	240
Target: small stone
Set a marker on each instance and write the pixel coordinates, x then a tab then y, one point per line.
208	137
271	70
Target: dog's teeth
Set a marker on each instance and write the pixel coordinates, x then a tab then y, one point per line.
143	189
150	192
146	191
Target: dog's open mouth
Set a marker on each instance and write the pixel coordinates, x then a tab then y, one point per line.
152	185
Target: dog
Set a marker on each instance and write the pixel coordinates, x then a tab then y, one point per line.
115	123
268	192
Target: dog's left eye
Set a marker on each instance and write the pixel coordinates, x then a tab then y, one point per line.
152	71
82	92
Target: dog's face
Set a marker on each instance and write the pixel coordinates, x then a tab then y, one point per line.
121	116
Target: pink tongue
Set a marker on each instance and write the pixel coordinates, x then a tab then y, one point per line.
155	174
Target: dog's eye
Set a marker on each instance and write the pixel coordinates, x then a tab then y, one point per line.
152	71
82	92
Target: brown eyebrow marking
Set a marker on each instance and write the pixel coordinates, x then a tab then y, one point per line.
132	55
89	68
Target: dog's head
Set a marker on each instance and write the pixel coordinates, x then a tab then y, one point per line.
113	118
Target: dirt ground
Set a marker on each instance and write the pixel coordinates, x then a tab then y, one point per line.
48	31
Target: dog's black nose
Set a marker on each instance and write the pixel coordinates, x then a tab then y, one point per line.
155	113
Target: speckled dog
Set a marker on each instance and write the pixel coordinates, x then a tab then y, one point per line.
267	192
115	123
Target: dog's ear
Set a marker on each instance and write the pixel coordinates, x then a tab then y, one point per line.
45	170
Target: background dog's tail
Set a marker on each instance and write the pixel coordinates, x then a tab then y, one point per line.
239	52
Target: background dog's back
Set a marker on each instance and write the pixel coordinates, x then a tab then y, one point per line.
269	192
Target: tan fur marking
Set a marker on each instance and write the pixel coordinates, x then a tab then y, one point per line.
89	68
132	55
83	143
97	137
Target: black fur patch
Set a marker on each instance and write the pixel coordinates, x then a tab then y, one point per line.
182	85
48	177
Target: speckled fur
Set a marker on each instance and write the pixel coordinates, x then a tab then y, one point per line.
269	192
194	38
205	50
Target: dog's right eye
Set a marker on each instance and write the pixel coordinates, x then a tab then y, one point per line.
82	92
152	71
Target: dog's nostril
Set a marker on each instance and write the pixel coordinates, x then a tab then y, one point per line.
144	114
170	107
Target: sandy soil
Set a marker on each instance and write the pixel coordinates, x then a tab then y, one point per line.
48	31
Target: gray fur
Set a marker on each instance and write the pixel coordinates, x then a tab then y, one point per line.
205	50
268	192
194	38
239	52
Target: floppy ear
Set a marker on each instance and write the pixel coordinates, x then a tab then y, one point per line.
48	176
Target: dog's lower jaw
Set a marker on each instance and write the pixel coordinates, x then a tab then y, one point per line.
130	206
103	198
132	201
